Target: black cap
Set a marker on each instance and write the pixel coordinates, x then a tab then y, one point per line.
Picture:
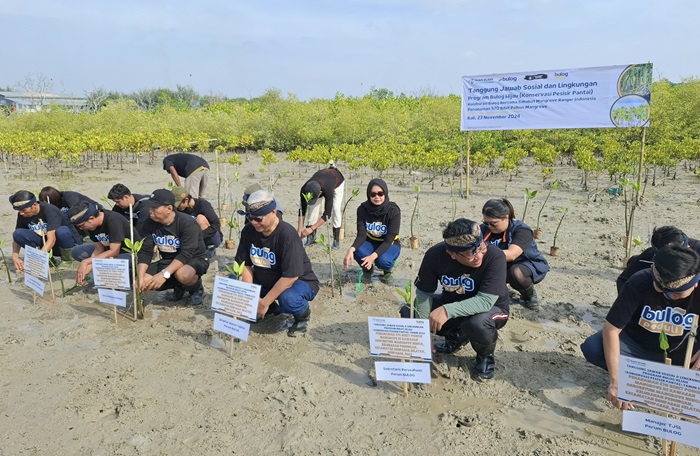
160	197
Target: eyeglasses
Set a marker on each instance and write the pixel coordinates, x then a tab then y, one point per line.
492	223
479	250
373	194
255	219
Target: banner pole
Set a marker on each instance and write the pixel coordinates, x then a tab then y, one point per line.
43	239
468	167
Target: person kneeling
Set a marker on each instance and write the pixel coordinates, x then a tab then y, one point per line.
177	241
474	302
275	259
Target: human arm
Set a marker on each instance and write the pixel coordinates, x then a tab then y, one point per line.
174	175
16	261
49	241
611	348
282	284
347	261
480	303
695	361
393	225
521	238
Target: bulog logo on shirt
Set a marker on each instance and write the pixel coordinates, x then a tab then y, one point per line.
376	229
459	285
262	257
672	321
167	243
102	238
39	228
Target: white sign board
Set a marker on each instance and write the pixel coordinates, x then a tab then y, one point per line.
36	263
598	97
402	372
34	284
111	273
404	338
236	298
231	326
659	387
114	297
662	427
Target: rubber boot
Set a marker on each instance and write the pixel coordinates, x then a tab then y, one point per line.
529	297
196	294
311	238
300	324
386	277
66	255
336	239
485	361
367	275
177	294
454	339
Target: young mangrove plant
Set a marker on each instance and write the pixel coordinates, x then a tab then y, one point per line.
413	239
4	261
133	248
333	267
529	195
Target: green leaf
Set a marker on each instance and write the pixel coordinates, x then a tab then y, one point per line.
663	341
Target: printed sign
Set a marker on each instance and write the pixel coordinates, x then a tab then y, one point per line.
35	284
404	338
598	97
231	326
36	263
236	298
388	371
111	273
659	387
114	297
662	427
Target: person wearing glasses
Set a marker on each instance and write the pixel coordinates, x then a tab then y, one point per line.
664	235
661	298
180	258
377	240
328	184
275	259
107	231
40	225
474	303
526	264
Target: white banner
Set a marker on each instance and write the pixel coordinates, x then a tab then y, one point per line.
36	262
114	297
598	97
662	427
231	326
404	338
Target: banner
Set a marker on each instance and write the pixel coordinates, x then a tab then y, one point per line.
597	97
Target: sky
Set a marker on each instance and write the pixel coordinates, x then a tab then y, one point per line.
317	48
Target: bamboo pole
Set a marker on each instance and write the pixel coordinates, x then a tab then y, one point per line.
43	238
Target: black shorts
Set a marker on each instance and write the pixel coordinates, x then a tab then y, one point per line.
200	266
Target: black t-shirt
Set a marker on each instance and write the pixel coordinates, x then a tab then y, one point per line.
384	228
329	179
181	240
52	217
522	237
642	312
185	164
460	282
137	209
114	228
281	254
643	261
70	199
204	207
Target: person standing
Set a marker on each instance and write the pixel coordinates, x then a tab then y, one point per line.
275	259
107	231
474	303
180	251
193	168
526	264
40	225
377	240
328	184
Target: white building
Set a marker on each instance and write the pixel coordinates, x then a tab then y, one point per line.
35	101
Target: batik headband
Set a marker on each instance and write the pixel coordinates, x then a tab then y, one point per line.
676	286
19	205
261	208
84	215
460	244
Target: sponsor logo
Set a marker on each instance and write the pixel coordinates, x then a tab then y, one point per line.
262	257
477	80
508	78
39	228
103	238
532	77
376	228
167	243
561	75
459	285
672	321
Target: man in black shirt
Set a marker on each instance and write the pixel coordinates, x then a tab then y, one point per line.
179	247
474	302
193	168
328	184
275	259
123	198
107	231
40	225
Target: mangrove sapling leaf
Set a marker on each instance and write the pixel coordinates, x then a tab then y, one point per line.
333	267
407	294
4	261
58	272
663	343
308	196
232	224
554	186
236	270
133	248
355	192
562	210
529	195
638	241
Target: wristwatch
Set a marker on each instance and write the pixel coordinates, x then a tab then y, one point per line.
165	273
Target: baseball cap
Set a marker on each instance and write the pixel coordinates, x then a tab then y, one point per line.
179	193
314	188
160	197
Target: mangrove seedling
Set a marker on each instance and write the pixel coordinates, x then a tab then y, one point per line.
562	210
529	195
322	240
413	239
236	270
133	248
538	230
4	261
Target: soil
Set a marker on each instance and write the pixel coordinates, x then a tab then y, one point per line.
74	382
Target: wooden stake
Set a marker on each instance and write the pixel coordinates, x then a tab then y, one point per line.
43	238
468	164
115	315
230	352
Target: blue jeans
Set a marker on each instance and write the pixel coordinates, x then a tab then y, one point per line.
65	239
384	262
592	349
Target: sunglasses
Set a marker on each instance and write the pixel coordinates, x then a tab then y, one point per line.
255	219
492	223
373	194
